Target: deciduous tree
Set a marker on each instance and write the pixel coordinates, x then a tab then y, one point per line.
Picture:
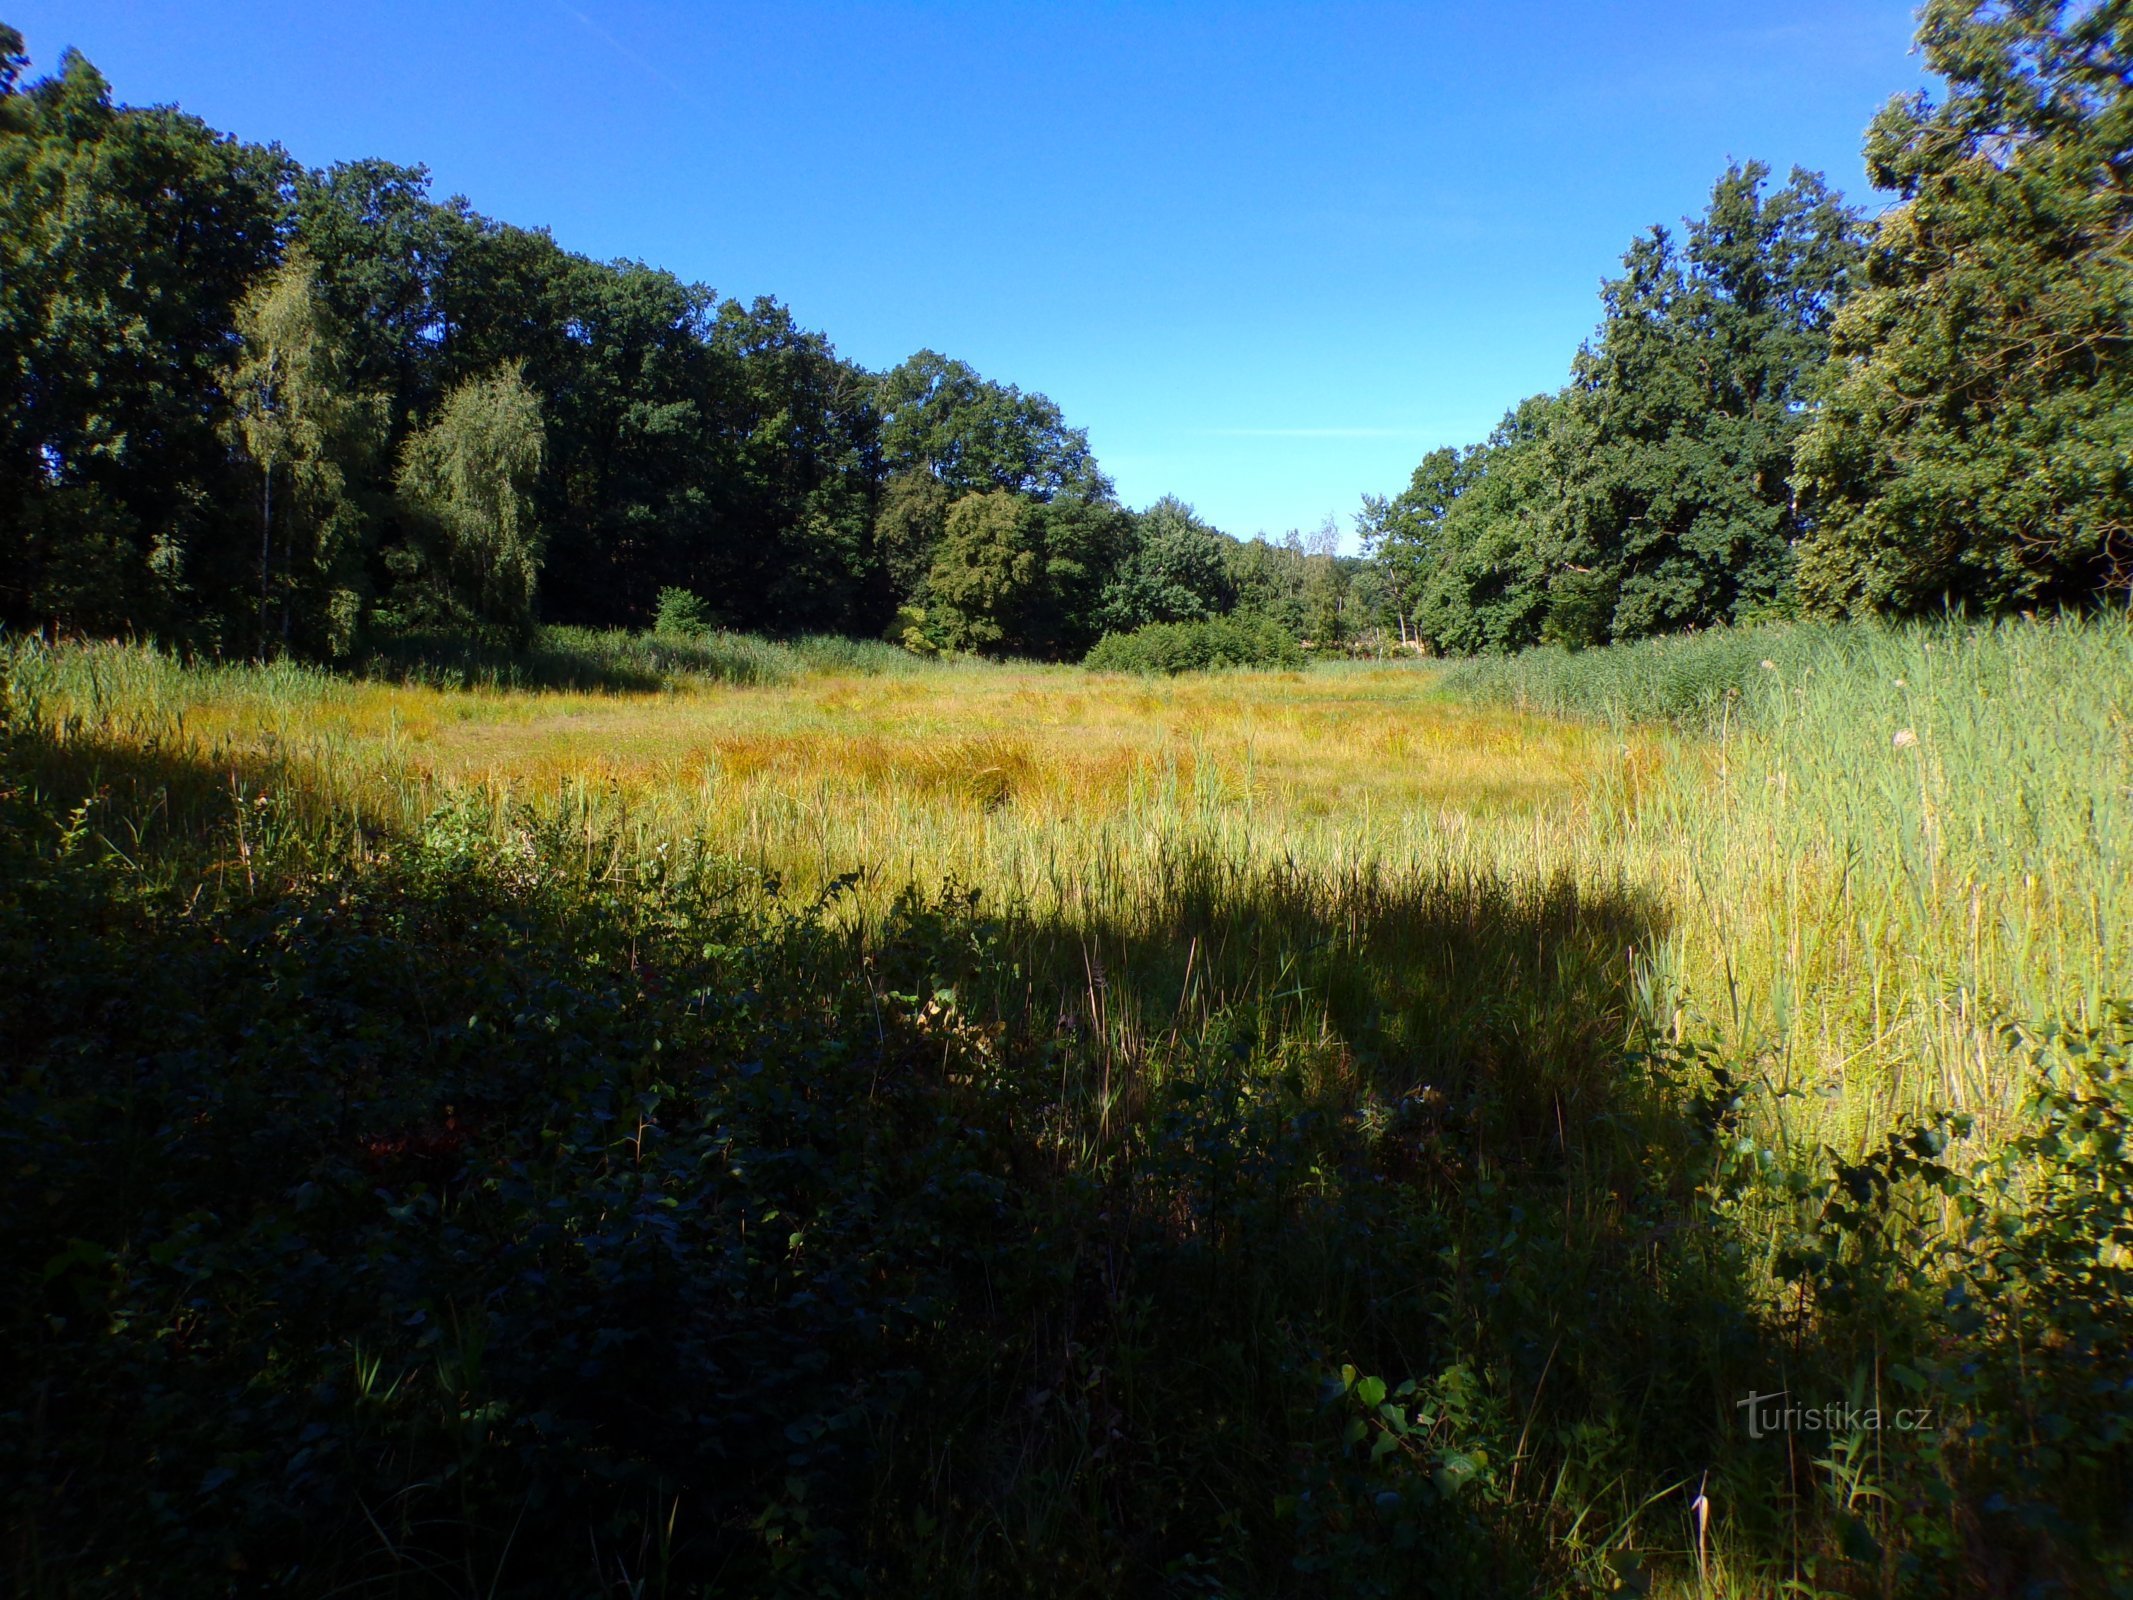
127	239
1680	514
1975	443
939	415
468	479
308	438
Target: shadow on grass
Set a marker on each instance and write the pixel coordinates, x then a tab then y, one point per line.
616	661
578	659
478	1217
1377	1123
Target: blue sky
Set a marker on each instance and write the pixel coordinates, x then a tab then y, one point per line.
1267	255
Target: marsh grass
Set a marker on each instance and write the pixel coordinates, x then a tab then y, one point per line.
1885	844
1880	846
1132	1057
1696	680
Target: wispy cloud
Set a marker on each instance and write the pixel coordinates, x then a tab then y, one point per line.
633	57
1309	433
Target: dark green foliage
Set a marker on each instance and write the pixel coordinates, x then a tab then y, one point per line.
1018	576
688	442
939	417
77	552
1996	1287
1676	509
1204	646
1084	540
796	552
127	240
1975	444
1175	571
987	578
1708	463
1271	580
908	529
280	426
1972	448
1470	548
995	531
1651	495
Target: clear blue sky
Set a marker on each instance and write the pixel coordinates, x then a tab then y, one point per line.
1266	255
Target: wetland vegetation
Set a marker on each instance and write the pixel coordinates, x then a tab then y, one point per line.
640	961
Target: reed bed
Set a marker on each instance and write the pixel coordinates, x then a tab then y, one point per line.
1878	846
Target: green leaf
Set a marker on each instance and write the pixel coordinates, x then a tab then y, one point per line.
1857	1541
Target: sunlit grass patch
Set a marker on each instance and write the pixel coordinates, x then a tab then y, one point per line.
1887	842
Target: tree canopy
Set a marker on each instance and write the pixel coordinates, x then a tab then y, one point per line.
939	416
128	238
1653	493
1975	442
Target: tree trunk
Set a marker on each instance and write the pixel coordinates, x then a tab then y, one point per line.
266	542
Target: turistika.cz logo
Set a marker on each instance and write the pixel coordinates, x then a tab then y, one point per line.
1769	1413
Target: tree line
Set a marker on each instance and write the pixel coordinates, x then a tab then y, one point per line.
258	408
1790	409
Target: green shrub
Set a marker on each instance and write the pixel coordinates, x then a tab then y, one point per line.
681	613
1991	1287
1205	646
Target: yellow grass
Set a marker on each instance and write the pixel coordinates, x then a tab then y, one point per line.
1838	910
1023	781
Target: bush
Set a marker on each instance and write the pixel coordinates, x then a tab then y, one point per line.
1217	642
681	613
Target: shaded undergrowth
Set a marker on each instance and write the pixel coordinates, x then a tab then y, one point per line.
619	661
